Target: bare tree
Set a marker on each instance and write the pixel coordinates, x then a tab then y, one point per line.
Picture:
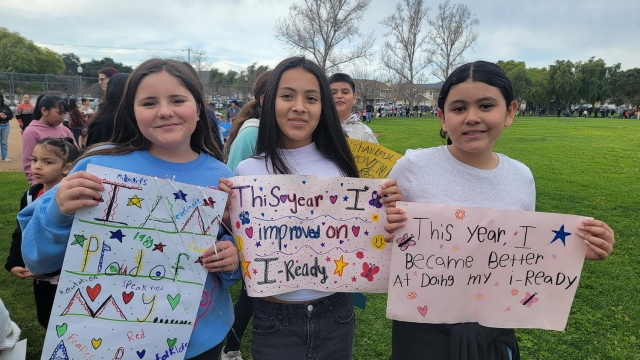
319	26
452	34
199	60
406	54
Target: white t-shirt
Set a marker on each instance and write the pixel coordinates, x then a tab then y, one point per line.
306	160
434	176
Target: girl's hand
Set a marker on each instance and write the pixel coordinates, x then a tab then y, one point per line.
599	239
225	260
390	188
396	220
225	185
77	191
20	272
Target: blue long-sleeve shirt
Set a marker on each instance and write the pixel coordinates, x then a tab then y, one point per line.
46	232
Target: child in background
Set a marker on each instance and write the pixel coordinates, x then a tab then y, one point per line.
161	130
300	133
48	115
344	94
476	103
50	162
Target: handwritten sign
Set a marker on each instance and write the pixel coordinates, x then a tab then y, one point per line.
373	161
500	268
310	232
132	278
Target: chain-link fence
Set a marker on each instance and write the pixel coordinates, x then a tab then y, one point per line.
13	85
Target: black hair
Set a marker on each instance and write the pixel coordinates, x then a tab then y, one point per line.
328	136
126	133
73	104
235	102
481	71
342	77
64	148
49	102
85	99
112	97
1	99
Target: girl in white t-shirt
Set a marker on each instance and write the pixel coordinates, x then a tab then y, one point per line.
300	133
476	103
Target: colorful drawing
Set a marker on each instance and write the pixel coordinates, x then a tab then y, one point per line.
121	260
485	265
307	232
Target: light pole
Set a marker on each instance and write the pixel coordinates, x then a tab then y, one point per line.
79	69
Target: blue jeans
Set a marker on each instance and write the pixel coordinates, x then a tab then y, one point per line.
321	329
368	115
4	134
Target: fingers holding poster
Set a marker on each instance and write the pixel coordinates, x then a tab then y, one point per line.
308	232
500	268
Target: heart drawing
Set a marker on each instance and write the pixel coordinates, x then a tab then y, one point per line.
355	230
249	231
96	343
423	310
172	342
333	198
127	296
93	292
173	300
61	329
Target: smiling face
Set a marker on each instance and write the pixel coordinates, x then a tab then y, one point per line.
298	107
474	116
167	114
47	167
344	97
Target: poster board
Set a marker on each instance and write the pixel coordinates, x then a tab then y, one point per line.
373	161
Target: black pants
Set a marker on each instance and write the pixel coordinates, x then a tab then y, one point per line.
211	354
243	311
44	293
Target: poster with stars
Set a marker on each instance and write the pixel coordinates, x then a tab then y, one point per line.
310	232
132	278
499	268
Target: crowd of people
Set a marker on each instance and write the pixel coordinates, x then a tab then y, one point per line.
298	123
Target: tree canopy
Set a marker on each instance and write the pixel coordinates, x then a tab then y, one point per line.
21	55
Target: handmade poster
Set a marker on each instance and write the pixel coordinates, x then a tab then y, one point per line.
373	161
500	268
19	351
310	232
132	278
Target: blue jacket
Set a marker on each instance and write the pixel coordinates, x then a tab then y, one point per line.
42	220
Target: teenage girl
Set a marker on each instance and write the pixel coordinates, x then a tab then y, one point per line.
50	162
48	115
240	146
475	104
76	122
161	130
300	133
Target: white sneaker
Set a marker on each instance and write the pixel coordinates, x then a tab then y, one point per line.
231	355
6	159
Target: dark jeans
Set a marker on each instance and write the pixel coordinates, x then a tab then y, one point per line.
242	311
321	329
211	354
45	293
76	134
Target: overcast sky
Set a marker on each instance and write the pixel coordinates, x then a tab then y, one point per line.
236	33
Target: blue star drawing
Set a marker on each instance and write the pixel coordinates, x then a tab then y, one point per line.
345	198
366	232
258	244
117	235
322	244
180	195
260	188
560	235
311	212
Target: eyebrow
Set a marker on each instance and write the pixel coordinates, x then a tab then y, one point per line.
286	88
485	98
155	97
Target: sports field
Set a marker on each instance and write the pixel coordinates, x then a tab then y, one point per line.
587	167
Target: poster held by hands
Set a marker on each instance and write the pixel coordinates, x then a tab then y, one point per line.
132	277
310	232
500	268
373	161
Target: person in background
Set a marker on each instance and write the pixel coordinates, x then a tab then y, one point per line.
101	128
5	115
369	111
233	110
344	95
85	108
24	112
104	75
76	122
9	331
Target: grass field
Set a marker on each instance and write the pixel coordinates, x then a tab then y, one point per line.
587	167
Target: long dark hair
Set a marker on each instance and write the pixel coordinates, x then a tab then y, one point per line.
127	136
481	71
49	102
115	89
328	136
251	110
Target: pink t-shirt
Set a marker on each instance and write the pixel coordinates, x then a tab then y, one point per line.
30	137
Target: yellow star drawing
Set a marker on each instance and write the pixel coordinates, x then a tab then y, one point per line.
136	201
340	264
245	266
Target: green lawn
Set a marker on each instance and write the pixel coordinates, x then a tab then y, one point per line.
588	167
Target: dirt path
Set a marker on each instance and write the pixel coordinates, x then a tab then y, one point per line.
15	149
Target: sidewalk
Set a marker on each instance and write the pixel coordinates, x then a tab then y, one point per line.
15	149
